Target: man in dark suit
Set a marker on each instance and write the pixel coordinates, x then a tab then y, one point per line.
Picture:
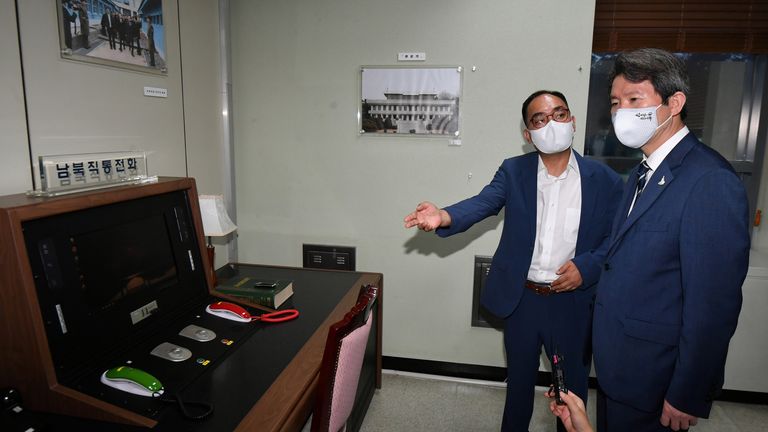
109	27
137	33
151	41
85	30
670	294
121	31
68	18
132	33
558	211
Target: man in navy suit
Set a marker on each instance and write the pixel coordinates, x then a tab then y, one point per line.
558	210
669	296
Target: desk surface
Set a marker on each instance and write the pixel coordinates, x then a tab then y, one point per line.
283	380
268	383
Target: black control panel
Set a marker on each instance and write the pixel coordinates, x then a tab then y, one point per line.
114	278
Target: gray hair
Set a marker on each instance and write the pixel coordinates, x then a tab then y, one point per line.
666	72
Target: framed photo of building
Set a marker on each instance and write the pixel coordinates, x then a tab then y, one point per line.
412	101
129	34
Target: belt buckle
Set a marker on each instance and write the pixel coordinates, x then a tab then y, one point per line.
546	289
542	289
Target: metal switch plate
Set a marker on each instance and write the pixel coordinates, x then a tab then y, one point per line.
198	333
169	351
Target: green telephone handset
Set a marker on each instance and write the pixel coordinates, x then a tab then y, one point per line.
132	380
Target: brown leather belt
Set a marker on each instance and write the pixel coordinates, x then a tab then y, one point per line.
539	288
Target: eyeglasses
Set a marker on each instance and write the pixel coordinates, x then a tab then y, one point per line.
559	114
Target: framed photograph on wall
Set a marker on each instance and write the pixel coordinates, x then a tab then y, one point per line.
129	34
412	101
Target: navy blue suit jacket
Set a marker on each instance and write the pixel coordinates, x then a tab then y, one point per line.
669	297
514	188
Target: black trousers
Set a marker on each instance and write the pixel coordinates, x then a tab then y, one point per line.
559	320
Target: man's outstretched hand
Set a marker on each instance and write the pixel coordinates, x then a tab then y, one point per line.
427	217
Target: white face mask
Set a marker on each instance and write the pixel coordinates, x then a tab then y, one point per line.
635	126
554	137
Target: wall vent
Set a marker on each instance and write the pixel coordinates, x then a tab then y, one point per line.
329	257
480	316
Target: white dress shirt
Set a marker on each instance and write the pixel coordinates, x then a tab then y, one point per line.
658	156
558	213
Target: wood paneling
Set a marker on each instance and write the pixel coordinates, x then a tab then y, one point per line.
26	354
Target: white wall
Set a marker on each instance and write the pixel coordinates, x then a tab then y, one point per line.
207	149
305	176
81	107
303	173
199	31
75	107
748	351
760	233
15	175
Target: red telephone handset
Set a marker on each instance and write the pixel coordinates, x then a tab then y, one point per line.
235	312
229	311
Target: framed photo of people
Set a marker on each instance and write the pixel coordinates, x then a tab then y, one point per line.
125	34
410	101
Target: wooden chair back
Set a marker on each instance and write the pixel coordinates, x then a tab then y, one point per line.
342	364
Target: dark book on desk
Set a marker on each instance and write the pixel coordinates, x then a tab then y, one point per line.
267	292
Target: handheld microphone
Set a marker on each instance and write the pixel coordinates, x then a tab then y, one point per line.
558	377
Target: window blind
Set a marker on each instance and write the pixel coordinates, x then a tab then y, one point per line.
697	26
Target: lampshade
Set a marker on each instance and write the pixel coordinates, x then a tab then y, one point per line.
216	221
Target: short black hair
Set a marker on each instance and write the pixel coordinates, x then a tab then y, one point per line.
536	94
666	72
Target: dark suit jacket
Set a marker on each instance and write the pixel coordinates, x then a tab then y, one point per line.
669	297
514	188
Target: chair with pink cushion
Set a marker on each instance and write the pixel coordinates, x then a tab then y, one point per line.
342	364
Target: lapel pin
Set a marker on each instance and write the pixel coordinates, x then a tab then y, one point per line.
662	181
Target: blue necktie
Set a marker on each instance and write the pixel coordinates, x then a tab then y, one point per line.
642	174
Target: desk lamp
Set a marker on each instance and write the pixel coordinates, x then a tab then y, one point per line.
216	223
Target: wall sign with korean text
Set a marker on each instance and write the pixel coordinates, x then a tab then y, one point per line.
62	174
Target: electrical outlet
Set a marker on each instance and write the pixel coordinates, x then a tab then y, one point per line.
155	92
411	56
